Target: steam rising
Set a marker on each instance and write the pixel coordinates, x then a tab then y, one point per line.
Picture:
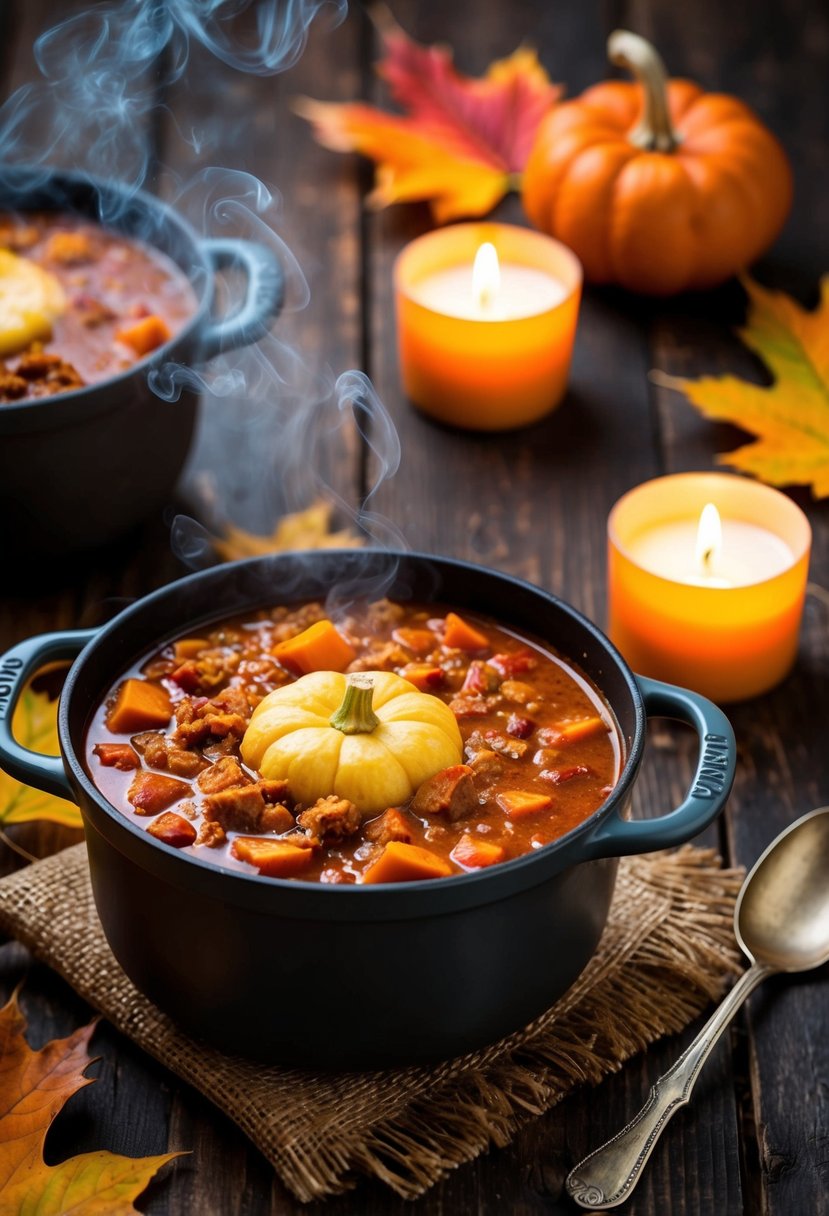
103	76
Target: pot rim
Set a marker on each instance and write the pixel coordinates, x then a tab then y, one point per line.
98	392
493	882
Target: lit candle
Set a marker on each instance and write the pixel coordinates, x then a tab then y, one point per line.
706	581
486	317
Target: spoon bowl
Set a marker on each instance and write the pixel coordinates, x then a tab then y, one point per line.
781	920
781	917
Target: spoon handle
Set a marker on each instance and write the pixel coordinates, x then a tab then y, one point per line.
606	1177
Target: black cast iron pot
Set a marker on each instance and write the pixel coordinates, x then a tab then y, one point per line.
349	975
80	468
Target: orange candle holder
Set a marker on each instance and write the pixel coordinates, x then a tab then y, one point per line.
485	373
729	639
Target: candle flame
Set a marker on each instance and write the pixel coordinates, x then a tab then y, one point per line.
486	275
709	538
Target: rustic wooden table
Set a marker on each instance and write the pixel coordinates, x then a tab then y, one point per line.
534	503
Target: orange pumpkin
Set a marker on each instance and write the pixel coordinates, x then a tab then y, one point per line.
657	185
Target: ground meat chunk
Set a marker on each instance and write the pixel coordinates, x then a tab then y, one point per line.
238	809
12	387
391	825
159	753
288	622
211	834
385	656
243	806
330	818
223	775
47	374
450	792
92	311
198	718
485	762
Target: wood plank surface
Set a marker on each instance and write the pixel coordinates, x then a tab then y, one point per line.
533	503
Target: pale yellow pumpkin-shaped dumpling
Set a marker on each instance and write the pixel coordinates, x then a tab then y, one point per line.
371	737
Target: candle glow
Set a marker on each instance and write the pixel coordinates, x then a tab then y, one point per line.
486	317
709	538
709	597
486	275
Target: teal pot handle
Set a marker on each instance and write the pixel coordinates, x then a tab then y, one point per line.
16	665
712	782
263	295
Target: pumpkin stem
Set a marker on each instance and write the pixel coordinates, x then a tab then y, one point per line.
355	716
653	131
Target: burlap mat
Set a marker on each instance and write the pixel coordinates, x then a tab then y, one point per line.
666	951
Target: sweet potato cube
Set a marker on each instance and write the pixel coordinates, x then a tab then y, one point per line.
189	648
425	676
585	728
173	829
401	862
320	647
421	641
273	858
139	705
145	335
68	248
460	635
518	803
117	755
474	853
153	792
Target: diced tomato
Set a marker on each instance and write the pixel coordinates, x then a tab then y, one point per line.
186	676
520	728
511	665
480	678
558	776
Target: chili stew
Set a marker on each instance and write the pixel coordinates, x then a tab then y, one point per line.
405	741
96	303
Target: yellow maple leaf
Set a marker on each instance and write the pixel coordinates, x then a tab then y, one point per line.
790	417
308	529
35	725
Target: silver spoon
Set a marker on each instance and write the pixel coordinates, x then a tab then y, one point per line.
781	920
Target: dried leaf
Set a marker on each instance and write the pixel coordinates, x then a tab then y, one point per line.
308	529
464	141
35	725
34	1086
791	417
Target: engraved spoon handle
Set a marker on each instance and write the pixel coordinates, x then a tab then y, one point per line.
606	1177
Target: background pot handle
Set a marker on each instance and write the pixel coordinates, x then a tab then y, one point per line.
263	295
709	789
16	665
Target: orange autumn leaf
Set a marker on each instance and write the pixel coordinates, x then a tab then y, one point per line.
790	417
463	142
34	1087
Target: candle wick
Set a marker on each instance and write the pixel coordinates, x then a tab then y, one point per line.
707	558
